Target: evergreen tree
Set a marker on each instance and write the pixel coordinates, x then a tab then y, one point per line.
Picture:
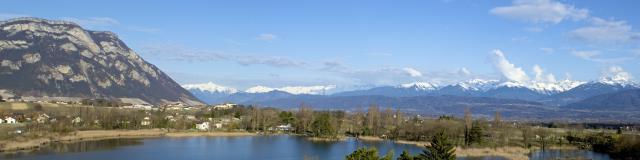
441	148
368	154
475	134
363	154
389	156
405	156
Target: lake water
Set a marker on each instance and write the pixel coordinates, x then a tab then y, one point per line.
258	147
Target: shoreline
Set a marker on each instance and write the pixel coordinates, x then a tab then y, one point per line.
509	152
95	135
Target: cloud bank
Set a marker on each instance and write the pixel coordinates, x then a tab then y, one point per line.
540	11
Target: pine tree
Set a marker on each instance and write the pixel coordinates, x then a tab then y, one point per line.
368	154
363	154
475	134
441	148
405	156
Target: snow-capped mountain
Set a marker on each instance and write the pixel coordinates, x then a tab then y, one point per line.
259	89
551	93
403	90
210	87
590	89
546	88
473	87
618	80
210	92
313	90
477	84
420	86
213	93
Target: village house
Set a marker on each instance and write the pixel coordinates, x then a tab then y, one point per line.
283	127
1	121
224	106
146	121
204	126
10	120
218	125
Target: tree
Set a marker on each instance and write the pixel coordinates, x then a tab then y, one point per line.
468	123
405	156
304	119
372	120
286	117
441	148
368	154
476	134
322	126
497	120
363	154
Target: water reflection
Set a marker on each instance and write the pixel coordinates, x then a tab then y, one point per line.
83	146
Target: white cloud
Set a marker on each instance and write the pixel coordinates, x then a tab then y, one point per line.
616	74
412	72
547	50
540	11
93	22
7	16
267	37
540	76
464	71
181	53
585	54
606	31
596	56
508	70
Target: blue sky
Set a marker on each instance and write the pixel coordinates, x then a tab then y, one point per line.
354	44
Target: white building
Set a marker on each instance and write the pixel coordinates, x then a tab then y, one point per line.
284	127
204	126
9	120
146	121
224	106
1	121
218	125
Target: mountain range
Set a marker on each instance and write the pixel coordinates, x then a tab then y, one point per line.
553	94
44	59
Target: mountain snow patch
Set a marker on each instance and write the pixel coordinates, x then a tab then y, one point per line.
210	87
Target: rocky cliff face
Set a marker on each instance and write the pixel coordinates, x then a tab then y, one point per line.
60	59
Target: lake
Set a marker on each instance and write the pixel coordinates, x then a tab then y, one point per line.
253	147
